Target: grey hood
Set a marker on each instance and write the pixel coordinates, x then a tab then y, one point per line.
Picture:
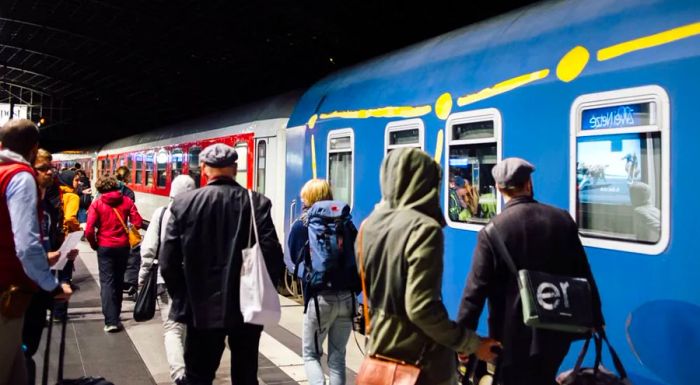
11	156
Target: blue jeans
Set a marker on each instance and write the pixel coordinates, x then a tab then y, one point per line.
336	313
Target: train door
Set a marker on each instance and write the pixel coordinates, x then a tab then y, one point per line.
269	170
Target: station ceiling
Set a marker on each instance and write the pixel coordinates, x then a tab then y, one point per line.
97	70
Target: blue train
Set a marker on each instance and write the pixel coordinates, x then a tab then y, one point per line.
599	95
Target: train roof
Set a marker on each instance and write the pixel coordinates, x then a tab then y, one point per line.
478	56
271	108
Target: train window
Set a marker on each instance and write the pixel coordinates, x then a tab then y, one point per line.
340	172
161	169
149	169
473	148
242	174
620	163
262	157
406	133
175	163
193	164
138	166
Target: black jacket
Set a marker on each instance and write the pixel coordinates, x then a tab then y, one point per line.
538	237
200	258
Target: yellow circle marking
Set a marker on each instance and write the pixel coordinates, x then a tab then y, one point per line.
572	64
443	106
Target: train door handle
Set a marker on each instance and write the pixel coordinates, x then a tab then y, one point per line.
292	207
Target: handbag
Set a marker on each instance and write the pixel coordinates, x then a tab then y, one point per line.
598	374
549	301
133	233
377	369
145	307
259	302
14	301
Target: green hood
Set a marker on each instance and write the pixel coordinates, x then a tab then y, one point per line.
410	179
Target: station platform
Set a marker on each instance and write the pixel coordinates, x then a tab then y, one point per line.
136	356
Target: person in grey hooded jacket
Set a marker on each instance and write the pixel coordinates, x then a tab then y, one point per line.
173	331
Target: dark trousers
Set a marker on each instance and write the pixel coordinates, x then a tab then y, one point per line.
540	369
34	322
131	276
112	264
204	347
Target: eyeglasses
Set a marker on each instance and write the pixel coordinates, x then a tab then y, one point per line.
45	168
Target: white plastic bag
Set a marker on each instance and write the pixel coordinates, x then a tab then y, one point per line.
260	304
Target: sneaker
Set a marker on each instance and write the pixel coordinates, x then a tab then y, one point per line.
112	328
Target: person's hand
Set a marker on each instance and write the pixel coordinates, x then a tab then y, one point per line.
72	255
65	295
53	257
488	350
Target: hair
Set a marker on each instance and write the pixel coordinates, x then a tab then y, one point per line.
121	173
20	136
106	184
43	156
77	166
80	172
315	190
514	191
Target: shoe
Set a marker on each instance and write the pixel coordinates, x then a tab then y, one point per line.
181	381
112	328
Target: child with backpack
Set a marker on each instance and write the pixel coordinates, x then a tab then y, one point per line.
321	243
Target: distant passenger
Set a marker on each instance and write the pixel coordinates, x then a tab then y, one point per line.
131	276
69	181
538	237
402	249
84	192
328	312
174	332
106	233
468	197
123	175
646	218
207	230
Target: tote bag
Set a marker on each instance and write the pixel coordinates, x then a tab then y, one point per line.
260	304
145	307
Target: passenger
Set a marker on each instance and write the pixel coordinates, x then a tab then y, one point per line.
23	263
131	276
646	218
402	252
106	233
539	237
454	203
332	315
84	192
69	181
174	332
52	237
123	175
207	230
469	198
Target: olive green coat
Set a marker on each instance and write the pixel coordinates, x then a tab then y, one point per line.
402	252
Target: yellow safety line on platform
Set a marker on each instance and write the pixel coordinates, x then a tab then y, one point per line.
660	38
503	87
313	157
383	112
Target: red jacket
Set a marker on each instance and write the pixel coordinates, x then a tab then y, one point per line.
103	228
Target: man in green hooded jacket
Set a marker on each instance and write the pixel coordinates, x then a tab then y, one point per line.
402	254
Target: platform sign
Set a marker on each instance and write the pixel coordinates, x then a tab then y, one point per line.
20	112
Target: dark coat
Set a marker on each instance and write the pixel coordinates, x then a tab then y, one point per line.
538	237
200	258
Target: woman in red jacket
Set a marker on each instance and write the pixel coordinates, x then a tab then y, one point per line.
106	234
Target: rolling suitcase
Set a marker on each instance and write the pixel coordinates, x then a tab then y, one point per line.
61	356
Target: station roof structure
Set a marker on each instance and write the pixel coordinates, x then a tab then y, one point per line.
97	70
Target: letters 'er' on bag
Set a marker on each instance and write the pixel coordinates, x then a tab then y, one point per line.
258	295
549	301
377	369
133	233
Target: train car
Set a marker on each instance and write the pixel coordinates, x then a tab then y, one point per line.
68	159
599	95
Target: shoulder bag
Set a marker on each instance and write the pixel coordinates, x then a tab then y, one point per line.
133	233
145	307
549	301
377	369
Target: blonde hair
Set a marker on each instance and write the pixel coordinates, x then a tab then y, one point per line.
315	190
43	156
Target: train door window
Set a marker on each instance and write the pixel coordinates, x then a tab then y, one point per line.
175	163
149	169
619	172
340	172
261	165
138	166
193	164
242	175
473	148
161	169
406	133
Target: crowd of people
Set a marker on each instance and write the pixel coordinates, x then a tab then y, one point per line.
395	259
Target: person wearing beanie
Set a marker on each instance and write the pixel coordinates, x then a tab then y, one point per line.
68	184
173	331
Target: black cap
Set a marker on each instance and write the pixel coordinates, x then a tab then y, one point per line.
512	172
219	155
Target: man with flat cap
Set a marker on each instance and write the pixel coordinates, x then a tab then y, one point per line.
538	237
200	261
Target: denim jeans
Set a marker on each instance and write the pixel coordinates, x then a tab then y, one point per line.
112	264
336	313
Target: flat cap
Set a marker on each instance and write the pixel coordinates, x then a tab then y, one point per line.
218	155
512	172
